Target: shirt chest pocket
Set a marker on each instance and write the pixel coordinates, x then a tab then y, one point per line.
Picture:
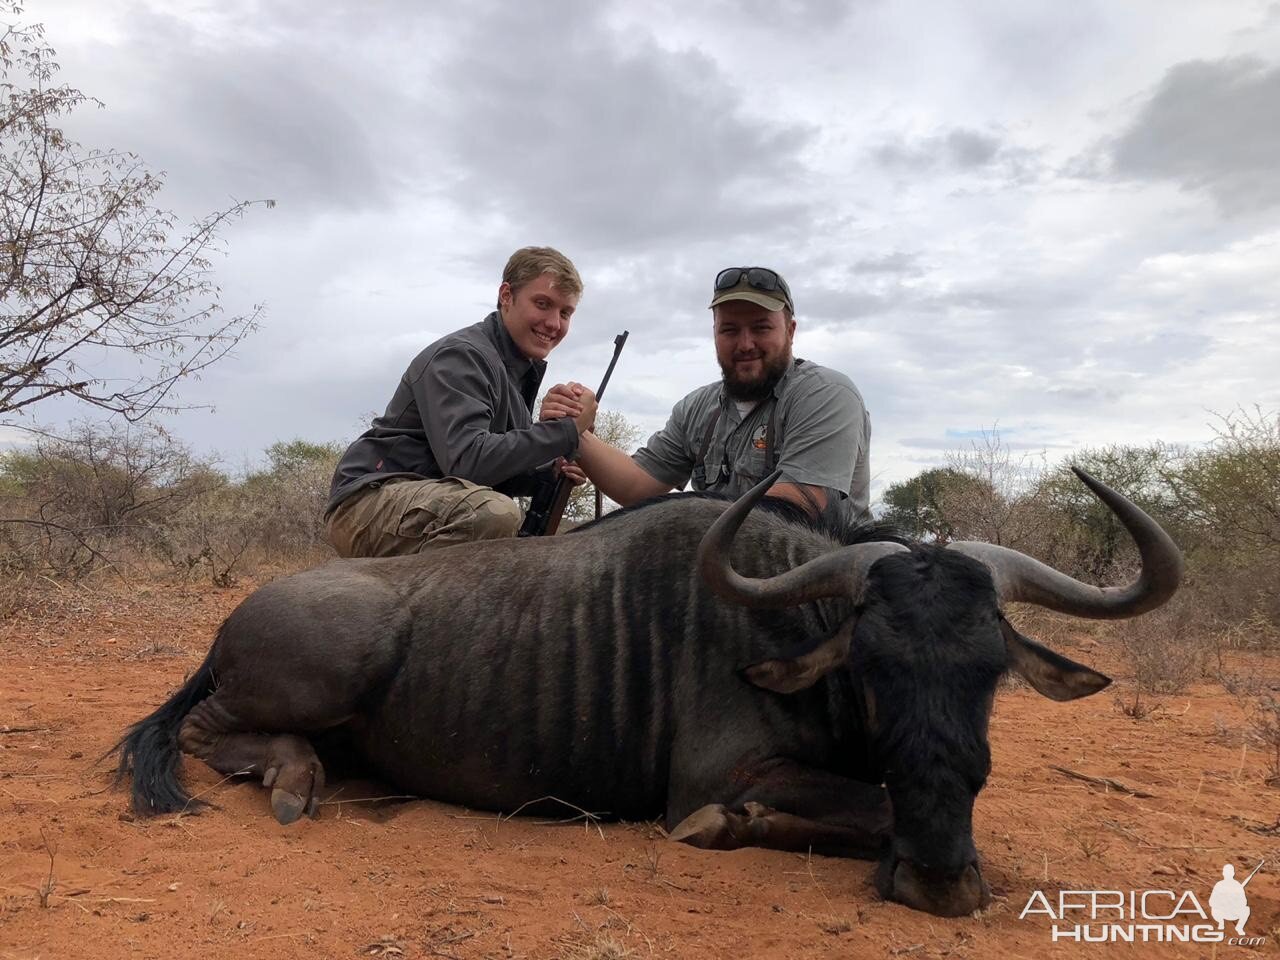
752	464
709	471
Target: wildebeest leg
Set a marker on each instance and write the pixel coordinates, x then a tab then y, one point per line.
786	806
286	762
716	827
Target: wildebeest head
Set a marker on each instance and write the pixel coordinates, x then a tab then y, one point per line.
925	646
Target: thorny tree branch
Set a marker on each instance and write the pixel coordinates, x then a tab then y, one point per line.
90	269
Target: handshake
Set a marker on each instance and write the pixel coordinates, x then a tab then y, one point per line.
579	403
570	400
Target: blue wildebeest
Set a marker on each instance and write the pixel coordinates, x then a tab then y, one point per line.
754	679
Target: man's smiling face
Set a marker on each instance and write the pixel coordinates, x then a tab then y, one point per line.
753	345
537	315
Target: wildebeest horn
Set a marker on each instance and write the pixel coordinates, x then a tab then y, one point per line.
1019	577
839	573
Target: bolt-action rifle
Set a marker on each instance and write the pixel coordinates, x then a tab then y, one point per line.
551	496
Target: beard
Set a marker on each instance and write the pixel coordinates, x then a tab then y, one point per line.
755	389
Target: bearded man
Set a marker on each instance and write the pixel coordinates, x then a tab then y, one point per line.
769	410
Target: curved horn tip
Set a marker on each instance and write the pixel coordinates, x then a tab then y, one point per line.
1162	566
1102	491
747	501
1086	478
770	480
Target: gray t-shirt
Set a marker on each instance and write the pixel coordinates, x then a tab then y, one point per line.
822	436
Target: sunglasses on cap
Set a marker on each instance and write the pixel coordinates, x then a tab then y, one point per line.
757	278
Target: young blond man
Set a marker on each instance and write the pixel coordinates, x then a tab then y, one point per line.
458	439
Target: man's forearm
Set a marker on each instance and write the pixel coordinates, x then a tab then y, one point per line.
812	500
492	458
619	477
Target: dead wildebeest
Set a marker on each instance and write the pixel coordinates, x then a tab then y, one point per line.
749	676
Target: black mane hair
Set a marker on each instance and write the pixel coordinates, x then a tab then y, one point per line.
845	532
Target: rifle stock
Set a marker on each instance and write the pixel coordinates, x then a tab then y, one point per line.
560	500
548	499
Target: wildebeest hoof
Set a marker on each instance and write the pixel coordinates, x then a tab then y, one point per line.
287	806
707	827
293	773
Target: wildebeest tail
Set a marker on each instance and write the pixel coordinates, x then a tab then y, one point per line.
149	749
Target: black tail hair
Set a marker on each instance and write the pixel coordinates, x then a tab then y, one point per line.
149	749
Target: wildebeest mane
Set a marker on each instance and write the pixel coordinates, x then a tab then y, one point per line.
842	531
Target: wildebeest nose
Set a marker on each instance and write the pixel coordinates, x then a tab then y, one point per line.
941	895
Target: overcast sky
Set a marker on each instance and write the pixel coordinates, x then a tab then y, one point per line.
1059	218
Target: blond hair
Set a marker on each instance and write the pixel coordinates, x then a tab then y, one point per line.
528	263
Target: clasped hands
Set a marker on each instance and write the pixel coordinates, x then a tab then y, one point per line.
577	402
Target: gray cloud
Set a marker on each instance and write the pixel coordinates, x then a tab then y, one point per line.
1212	126
838	305
957	150
951	439
1085	394
898	262
817	14
594	130
277	118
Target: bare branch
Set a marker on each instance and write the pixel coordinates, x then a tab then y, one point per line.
89	266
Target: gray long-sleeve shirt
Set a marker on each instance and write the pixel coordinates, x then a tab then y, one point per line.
464	408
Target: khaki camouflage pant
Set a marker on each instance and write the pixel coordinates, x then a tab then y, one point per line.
406	516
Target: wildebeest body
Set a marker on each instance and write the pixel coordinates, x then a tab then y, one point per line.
759	681
464	683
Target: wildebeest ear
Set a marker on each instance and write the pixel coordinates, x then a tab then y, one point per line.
1050	673
799	673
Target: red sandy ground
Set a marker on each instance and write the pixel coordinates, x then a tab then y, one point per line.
420	879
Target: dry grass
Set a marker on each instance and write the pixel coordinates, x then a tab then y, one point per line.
1255	632
1164	650
1092	847
600	947
1265	726
46	888
833	924
1137	708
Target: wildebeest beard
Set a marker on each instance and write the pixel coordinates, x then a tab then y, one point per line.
757	388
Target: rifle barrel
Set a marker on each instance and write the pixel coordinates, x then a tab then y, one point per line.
618	343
